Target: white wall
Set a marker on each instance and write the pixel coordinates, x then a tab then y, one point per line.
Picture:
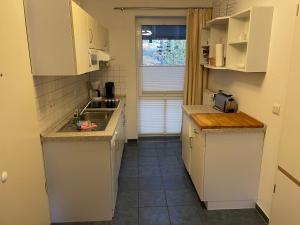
257	93
121	26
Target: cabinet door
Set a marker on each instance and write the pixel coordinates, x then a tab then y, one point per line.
186	142
286	202
114	167
93	32
23	198
81	40
102	40
197	161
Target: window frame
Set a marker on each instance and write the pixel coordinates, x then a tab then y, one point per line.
139	43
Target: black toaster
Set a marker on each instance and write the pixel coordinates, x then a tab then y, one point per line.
225	102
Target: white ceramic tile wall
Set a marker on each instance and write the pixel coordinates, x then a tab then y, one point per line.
223	7
58	96
113	73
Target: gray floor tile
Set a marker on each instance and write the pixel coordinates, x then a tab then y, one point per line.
130	163
152	198
173	170
181	197
127	199
154	216
232	217
146	144
147	153
128	184
149	171
185	215
127	216
150	183
148	161
175	182
130	155
129	171
168	160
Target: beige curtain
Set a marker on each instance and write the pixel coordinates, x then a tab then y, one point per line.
195	74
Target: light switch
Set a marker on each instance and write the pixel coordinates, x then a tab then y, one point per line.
4	177
276	109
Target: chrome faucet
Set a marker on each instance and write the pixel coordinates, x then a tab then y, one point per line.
80	112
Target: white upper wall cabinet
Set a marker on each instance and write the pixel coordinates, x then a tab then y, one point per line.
246	38
59	36
98	35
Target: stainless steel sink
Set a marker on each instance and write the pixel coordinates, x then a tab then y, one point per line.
101	118
95	116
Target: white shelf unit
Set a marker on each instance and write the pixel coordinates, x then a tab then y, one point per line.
215	67
247	39
205	41
214	33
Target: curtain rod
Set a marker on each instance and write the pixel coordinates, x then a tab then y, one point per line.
158	8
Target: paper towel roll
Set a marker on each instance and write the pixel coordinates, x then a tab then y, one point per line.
219	55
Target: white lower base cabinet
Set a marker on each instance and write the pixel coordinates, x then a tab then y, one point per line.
225	167
82	177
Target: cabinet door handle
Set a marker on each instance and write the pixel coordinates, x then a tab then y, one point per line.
196	131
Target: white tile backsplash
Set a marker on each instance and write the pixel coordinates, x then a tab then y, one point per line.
113	73
58	96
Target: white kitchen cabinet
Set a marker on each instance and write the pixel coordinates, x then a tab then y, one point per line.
225	166
186	141
197	156
60	34
82	176
98	35
117	147
103	40
23	198
286	201
80	35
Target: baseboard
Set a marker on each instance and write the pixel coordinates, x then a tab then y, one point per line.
262	213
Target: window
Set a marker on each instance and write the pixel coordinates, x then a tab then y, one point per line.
161	74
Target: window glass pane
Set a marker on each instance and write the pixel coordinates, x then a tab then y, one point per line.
163	44
162	78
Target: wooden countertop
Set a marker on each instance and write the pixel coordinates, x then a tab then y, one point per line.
225	120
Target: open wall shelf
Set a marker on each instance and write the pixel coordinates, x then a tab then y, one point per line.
245	36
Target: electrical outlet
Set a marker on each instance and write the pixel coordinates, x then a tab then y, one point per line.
276	109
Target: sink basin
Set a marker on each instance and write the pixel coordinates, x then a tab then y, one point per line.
95	116
101	118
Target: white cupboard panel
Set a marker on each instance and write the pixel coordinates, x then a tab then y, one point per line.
286	202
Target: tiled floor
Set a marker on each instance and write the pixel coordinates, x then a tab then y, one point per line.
154	189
